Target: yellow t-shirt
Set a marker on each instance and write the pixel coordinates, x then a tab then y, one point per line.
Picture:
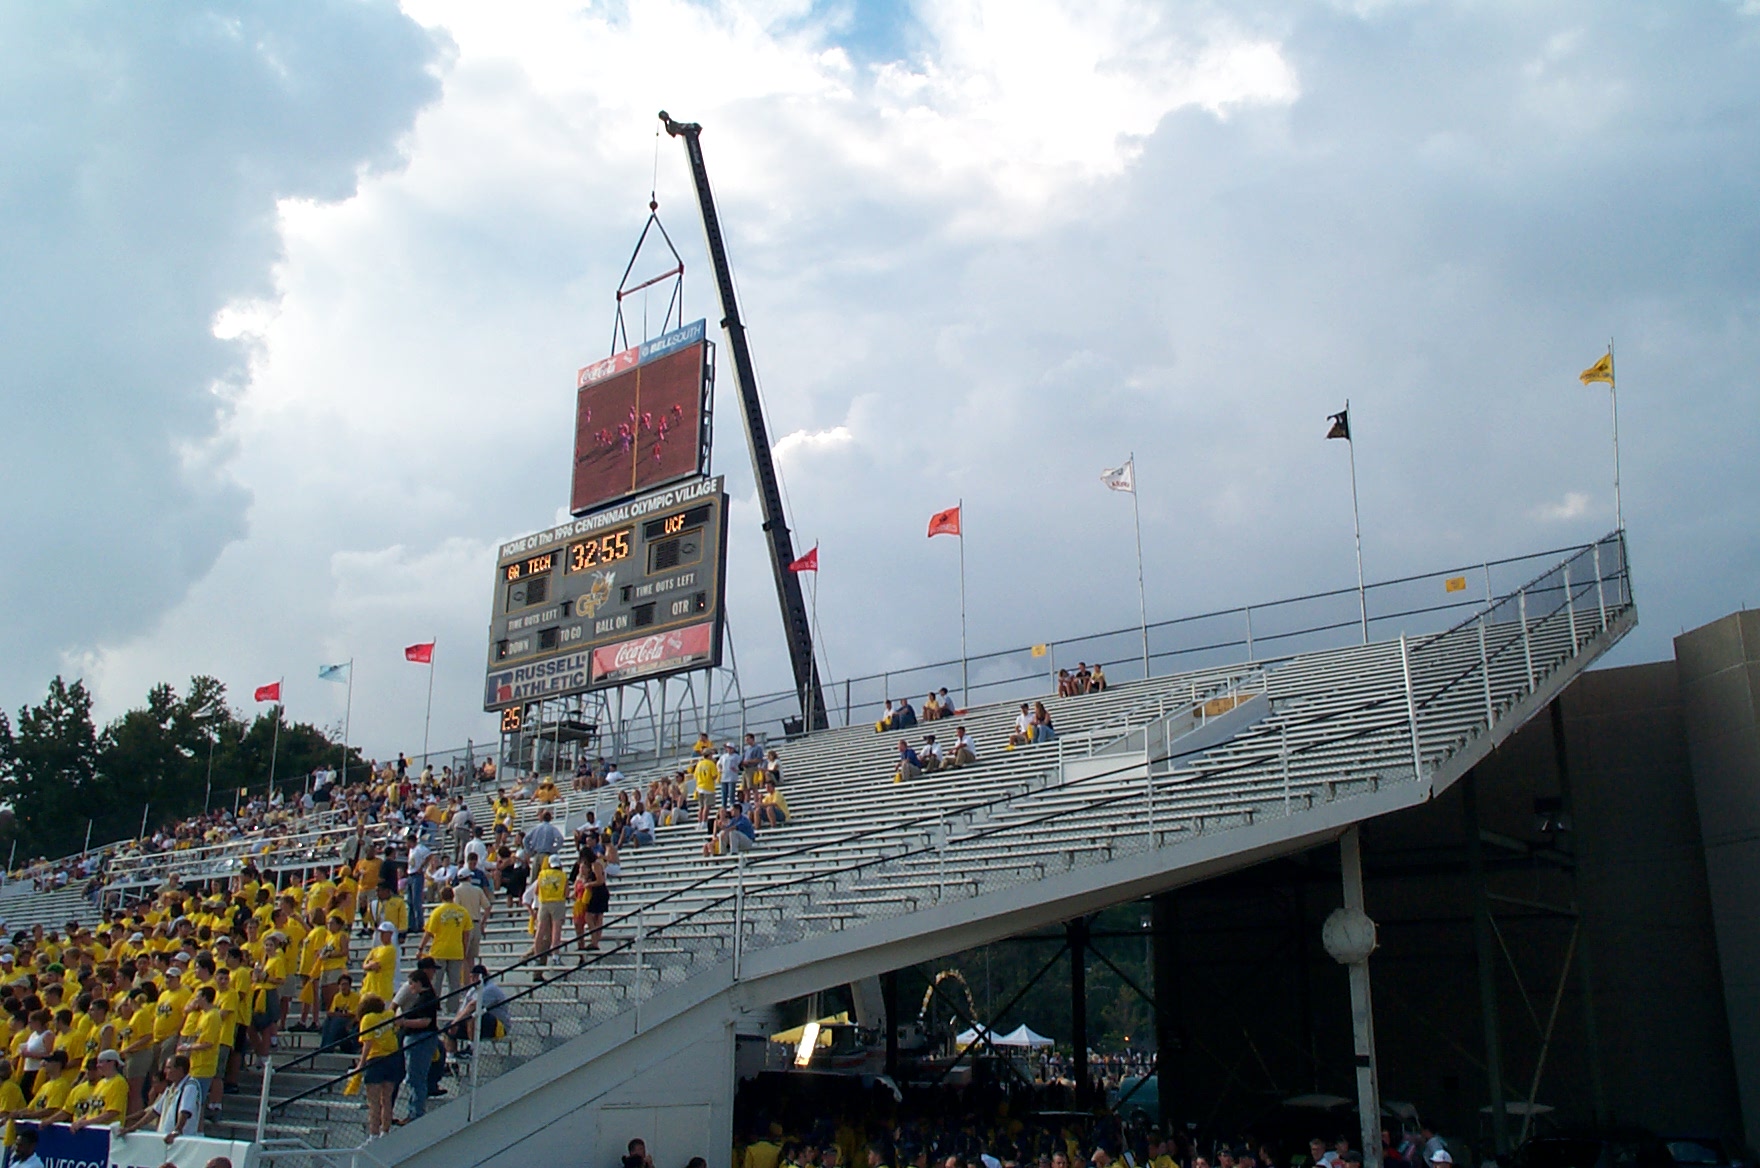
78	1101
448	924
378	982
348	1004
708	774
396	910
205	1028
168	1013
11	1099
380	1042
51	1094
337	958
318	896
111	1095
552	886
230	1005
139	1031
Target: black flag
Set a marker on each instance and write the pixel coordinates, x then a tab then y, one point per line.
1341	425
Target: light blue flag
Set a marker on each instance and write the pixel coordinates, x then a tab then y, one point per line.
336	673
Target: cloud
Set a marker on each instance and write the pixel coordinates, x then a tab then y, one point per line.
1574	505
980	259
147	149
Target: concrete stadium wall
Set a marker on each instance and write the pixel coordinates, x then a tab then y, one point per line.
1719	666
1265	1011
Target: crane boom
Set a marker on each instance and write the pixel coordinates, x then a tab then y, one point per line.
795	625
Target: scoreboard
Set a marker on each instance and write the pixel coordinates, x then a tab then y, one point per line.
624	594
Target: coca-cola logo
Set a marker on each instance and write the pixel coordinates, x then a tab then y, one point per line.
646	651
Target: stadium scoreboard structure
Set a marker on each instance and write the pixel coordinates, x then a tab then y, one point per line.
642	418
627	593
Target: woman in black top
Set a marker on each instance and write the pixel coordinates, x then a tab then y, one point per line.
420	1024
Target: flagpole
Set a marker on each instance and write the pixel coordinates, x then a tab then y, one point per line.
1619	516
965	679
275	742
428	718
1357	524
1142	601
347	713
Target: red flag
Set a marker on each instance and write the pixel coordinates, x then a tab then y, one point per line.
944	522
808	562
422	654
269	693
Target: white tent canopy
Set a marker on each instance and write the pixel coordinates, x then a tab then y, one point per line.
1021	1036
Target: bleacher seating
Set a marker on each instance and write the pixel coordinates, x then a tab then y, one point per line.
859	848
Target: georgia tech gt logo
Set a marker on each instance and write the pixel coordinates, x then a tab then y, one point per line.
597	596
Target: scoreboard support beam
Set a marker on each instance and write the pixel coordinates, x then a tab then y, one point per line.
795	624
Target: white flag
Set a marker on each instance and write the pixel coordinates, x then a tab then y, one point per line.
1121	478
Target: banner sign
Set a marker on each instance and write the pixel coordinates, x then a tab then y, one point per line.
540	679
661	653
641	354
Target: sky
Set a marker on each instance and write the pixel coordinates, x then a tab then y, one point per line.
295	295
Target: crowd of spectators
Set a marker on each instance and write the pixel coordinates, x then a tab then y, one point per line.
785	1121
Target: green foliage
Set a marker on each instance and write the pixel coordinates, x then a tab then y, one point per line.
57	771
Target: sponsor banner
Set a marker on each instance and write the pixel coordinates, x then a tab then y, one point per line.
536	679
674	496
660	653
148	1150
59	1146
641	354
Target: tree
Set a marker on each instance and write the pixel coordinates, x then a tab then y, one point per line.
49	772
162	761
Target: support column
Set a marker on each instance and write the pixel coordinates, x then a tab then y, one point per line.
1485	952
1077	931
1585	967
1169	1045
1349	935
889	1007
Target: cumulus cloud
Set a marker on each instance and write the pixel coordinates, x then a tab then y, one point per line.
146	149
981	257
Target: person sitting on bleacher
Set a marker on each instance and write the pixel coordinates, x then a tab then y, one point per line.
703	747
931	708
909	764
904	717
1023	728
1097	682
930	754
740	835
885	722
962	752
772	806
945	702
1041	729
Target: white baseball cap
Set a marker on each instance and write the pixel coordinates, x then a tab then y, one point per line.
1442	1157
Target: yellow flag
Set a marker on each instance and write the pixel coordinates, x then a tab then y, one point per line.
1602	370
1041	650
1455	584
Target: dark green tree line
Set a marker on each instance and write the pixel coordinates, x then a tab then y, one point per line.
164	760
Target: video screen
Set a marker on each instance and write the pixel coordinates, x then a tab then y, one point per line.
639	429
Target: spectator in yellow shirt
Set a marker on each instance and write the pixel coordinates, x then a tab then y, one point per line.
379	970
443	939
107	1101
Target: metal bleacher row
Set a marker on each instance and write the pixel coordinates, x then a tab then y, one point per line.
1146	767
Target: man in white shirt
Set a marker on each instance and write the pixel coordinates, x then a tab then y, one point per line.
930	753
178	1110
641	826
962	751
416	880
478	848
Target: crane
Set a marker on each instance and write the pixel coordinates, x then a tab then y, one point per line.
795	625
